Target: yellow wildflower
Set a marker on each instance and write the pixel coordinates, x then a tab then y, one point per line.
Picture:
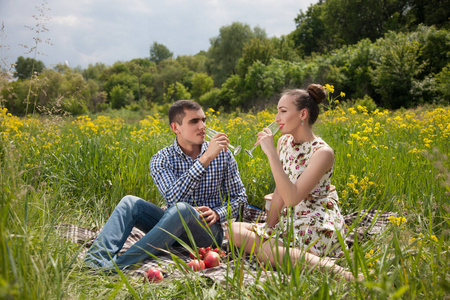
329	88
397	220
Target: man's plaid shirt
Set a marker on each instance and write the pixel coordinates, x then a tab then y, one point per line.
180	178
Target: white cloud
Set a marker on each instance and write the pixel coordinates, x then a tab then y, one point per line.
71	20
90	31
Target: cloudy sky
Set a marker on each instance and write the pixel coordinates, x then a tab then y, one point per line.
84	32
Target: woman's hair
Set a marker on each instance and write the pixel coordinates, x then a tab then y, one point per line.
177	110
309	99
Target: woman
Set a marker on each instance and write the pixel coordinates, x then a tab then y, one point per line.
304	215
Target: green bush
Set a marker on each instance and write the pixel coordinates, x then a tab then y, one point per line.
74	105
366	102
210	99
396	69
443	83
120	96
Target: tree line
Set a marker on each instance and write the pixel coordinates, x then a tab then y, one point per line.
392	53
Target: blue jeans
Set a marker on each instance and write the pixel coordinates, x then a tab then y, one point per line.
135	212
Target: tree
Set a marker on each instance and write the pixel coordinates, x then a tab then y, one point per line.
349	21
120	96
169	72
201	84
311	34
255	50
430	12
94	71
196	63
395	73
227	48
284	48
443	83
26	67
159	52
176	91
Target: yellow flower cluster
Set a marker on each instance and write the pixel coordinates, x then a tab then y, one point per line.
433	238
329	88
150	127
10	126
254	162
418	129
370	257
85	124
412	239
397	221
102	125
356	186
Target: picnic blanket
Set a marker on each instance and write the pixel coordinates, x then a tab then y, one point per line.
164	262
360	224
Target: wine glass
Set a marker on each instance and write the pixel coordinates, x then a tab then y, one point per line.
210	133
273	127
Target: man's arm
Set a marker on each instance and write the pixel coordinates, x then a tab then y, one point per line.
174	189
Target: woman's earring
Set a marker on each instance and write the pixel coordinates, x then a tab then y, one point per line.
302	123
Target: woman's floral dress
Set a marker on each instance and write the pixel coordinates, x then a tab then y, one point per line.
312	224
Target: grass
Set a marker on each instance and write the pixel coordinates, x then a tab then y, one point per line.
75	170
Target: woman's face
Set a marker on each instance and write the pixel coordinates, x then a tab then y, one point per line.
288	117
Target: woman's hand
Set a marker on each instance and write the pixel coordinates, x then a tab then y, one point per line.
265	139
273	215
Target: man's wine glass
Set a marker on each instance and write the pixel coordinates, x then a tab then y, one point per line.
273	127
210	133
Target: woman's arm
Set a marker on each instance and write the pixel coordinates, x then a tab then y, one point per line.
277	203
276	207
320	162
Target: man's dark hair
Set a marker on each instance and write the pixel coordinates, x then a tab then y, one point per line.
176	111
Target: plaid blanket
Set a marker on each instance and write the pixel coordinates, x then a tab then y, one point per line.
164	262
361	224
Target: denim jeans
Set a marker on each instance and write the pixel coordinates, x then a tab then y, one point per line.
135	212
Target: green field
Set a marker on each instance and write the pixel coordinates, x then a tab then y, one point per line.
75	170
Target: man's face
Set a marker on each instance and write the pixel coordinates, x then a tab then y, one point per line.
192	128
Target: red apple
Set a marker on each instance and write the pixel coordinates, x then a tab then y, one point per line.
212	259
196	265
153	275
201	251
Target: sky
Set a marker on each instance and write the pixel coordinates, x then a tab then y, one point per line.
83	32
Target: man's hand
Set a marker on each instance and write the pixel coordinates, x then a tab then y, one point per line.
208	215
218	143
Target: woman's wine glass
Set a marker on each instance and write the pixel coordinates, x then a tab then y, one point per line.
210	133
273	127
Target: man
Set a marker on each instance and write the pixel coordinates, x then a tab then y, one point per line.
200	182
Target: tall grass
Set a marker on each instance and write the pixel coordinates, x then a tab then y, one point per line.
75	170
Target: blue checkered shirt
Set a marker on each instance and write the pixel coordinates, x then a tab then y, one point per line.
180	178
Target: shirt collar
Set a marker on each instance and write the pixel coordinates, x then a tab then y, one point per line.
178	150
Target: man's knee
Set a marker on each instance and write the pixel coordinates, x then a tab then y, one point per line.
128	203
183	210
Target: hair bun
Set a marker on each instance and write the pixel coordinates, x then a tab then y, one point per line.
317	92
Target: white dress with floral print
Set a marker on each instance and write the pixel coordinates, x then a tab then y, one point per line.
312	224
